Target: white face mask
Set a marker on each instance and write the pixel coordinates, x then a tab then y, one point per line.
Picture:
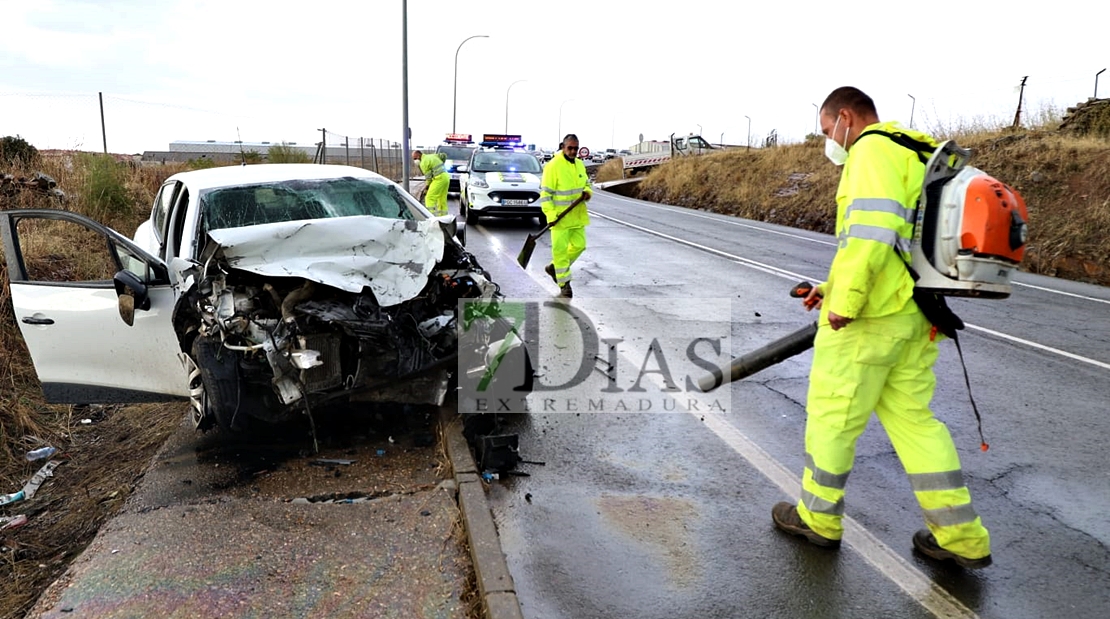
837	153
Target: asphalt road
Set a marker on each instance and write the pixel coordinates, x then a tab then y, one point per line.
667	514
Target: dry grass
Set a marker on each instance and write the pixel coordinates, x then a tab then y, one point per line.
612	170
1064	180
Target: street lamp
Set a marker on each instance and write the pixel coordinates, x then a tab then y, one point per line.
699	129
507	103
455	97
561	117
749	131
816	117
912	106
1096	82
405	156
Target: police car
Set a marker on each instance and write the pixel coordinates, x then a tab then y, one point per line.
458	148
501	180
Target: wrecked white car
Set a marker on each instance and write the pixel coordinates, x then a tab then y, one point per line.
257	292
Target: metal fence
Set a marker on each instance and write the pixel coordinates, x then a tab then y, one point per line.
381	156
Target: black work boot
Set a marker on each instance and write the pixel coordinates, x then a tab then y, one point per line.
565	292
786	518
550	270
925	543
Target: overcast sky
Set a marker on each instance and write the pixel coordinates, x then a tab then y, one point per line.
273	71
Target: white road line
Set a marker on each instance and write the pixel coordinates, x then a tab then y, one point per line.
773	270
909	579
1066	294
724	219
720	219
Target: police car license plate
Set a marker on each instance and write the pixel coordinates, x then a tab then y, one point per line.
514	202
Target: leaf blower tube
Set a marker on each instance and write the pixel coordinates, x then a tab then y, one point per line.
776	352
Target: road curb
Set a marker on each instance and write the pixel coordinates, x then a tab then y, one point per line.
495	583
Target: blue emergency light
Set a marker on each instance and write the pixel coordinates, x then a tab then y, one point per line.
501	140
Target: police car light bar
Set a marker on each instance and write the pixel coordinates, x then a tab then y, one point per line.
501	139
459	138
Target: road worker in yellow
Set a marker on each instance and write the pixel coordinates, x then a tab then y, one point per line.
436	178
874	349
564	182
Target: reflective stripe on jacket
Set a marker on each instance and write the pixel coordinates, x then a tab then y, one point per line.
875	202
431	166
563	182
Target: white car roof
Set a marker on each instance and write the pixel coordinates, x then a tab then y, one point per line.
228	176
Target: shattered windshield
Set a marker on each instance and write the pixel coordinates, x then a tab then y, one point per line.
506	162
295	200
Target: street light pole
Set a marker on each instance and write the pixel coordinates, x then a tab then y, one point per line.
699	129
406	157
507	103
749	131
1096	82
561	117
912	106
816	117
455	96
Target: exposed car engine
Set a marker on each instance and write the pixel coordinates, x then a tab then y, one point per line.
271	347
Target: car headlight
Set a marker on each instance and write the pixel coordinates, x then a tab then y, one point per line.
478	182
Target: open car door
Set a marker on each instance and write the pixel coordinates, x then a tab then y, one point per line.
94	310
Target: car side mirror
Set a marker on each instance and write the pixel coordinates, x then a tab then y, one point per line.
132	294
452	227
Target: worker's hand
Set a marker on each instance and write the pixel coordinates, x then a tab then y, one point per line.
813	299
586	196
837	322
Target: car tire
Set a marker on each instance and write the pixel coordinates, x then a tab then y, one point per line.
219	371
471	217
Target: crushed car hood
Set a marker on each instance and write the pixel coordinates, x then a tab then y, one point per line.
393	257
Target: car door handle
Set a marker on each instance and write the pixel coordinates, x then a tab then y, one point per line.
31	320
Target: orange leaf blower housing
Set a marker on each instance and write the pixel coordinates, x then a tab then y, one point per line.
993	220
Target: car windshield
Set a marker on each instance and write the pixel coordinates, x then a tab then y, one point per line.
506	162
295	200
456	153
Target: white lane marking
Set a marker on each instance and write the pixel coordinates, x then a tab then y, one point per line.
719	219
909	579
1018	340
766	268
1066	294
724	219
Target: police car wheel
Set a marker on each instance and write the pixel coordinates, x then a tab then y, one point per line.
471	217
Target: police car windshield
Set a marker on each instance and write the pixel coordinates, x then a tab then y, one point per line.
506	162
455	153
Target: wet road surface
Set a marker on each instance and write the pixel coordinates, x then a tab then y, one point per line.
667	514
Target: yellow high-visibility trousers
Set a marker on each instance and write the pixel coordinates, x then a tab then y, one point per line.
567	244
883	365
436	198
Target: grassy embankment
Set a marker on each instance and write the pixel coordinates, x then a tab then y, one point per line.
1064	179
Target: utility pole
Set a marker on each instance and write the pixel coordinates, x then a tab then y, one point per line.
816	118
912	106
323	145
104	132
406	157
1021	94
749	131
1096	82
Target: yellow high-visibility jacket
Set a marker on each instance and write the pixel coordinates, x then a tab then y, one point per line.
431	166
875	201
563	182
